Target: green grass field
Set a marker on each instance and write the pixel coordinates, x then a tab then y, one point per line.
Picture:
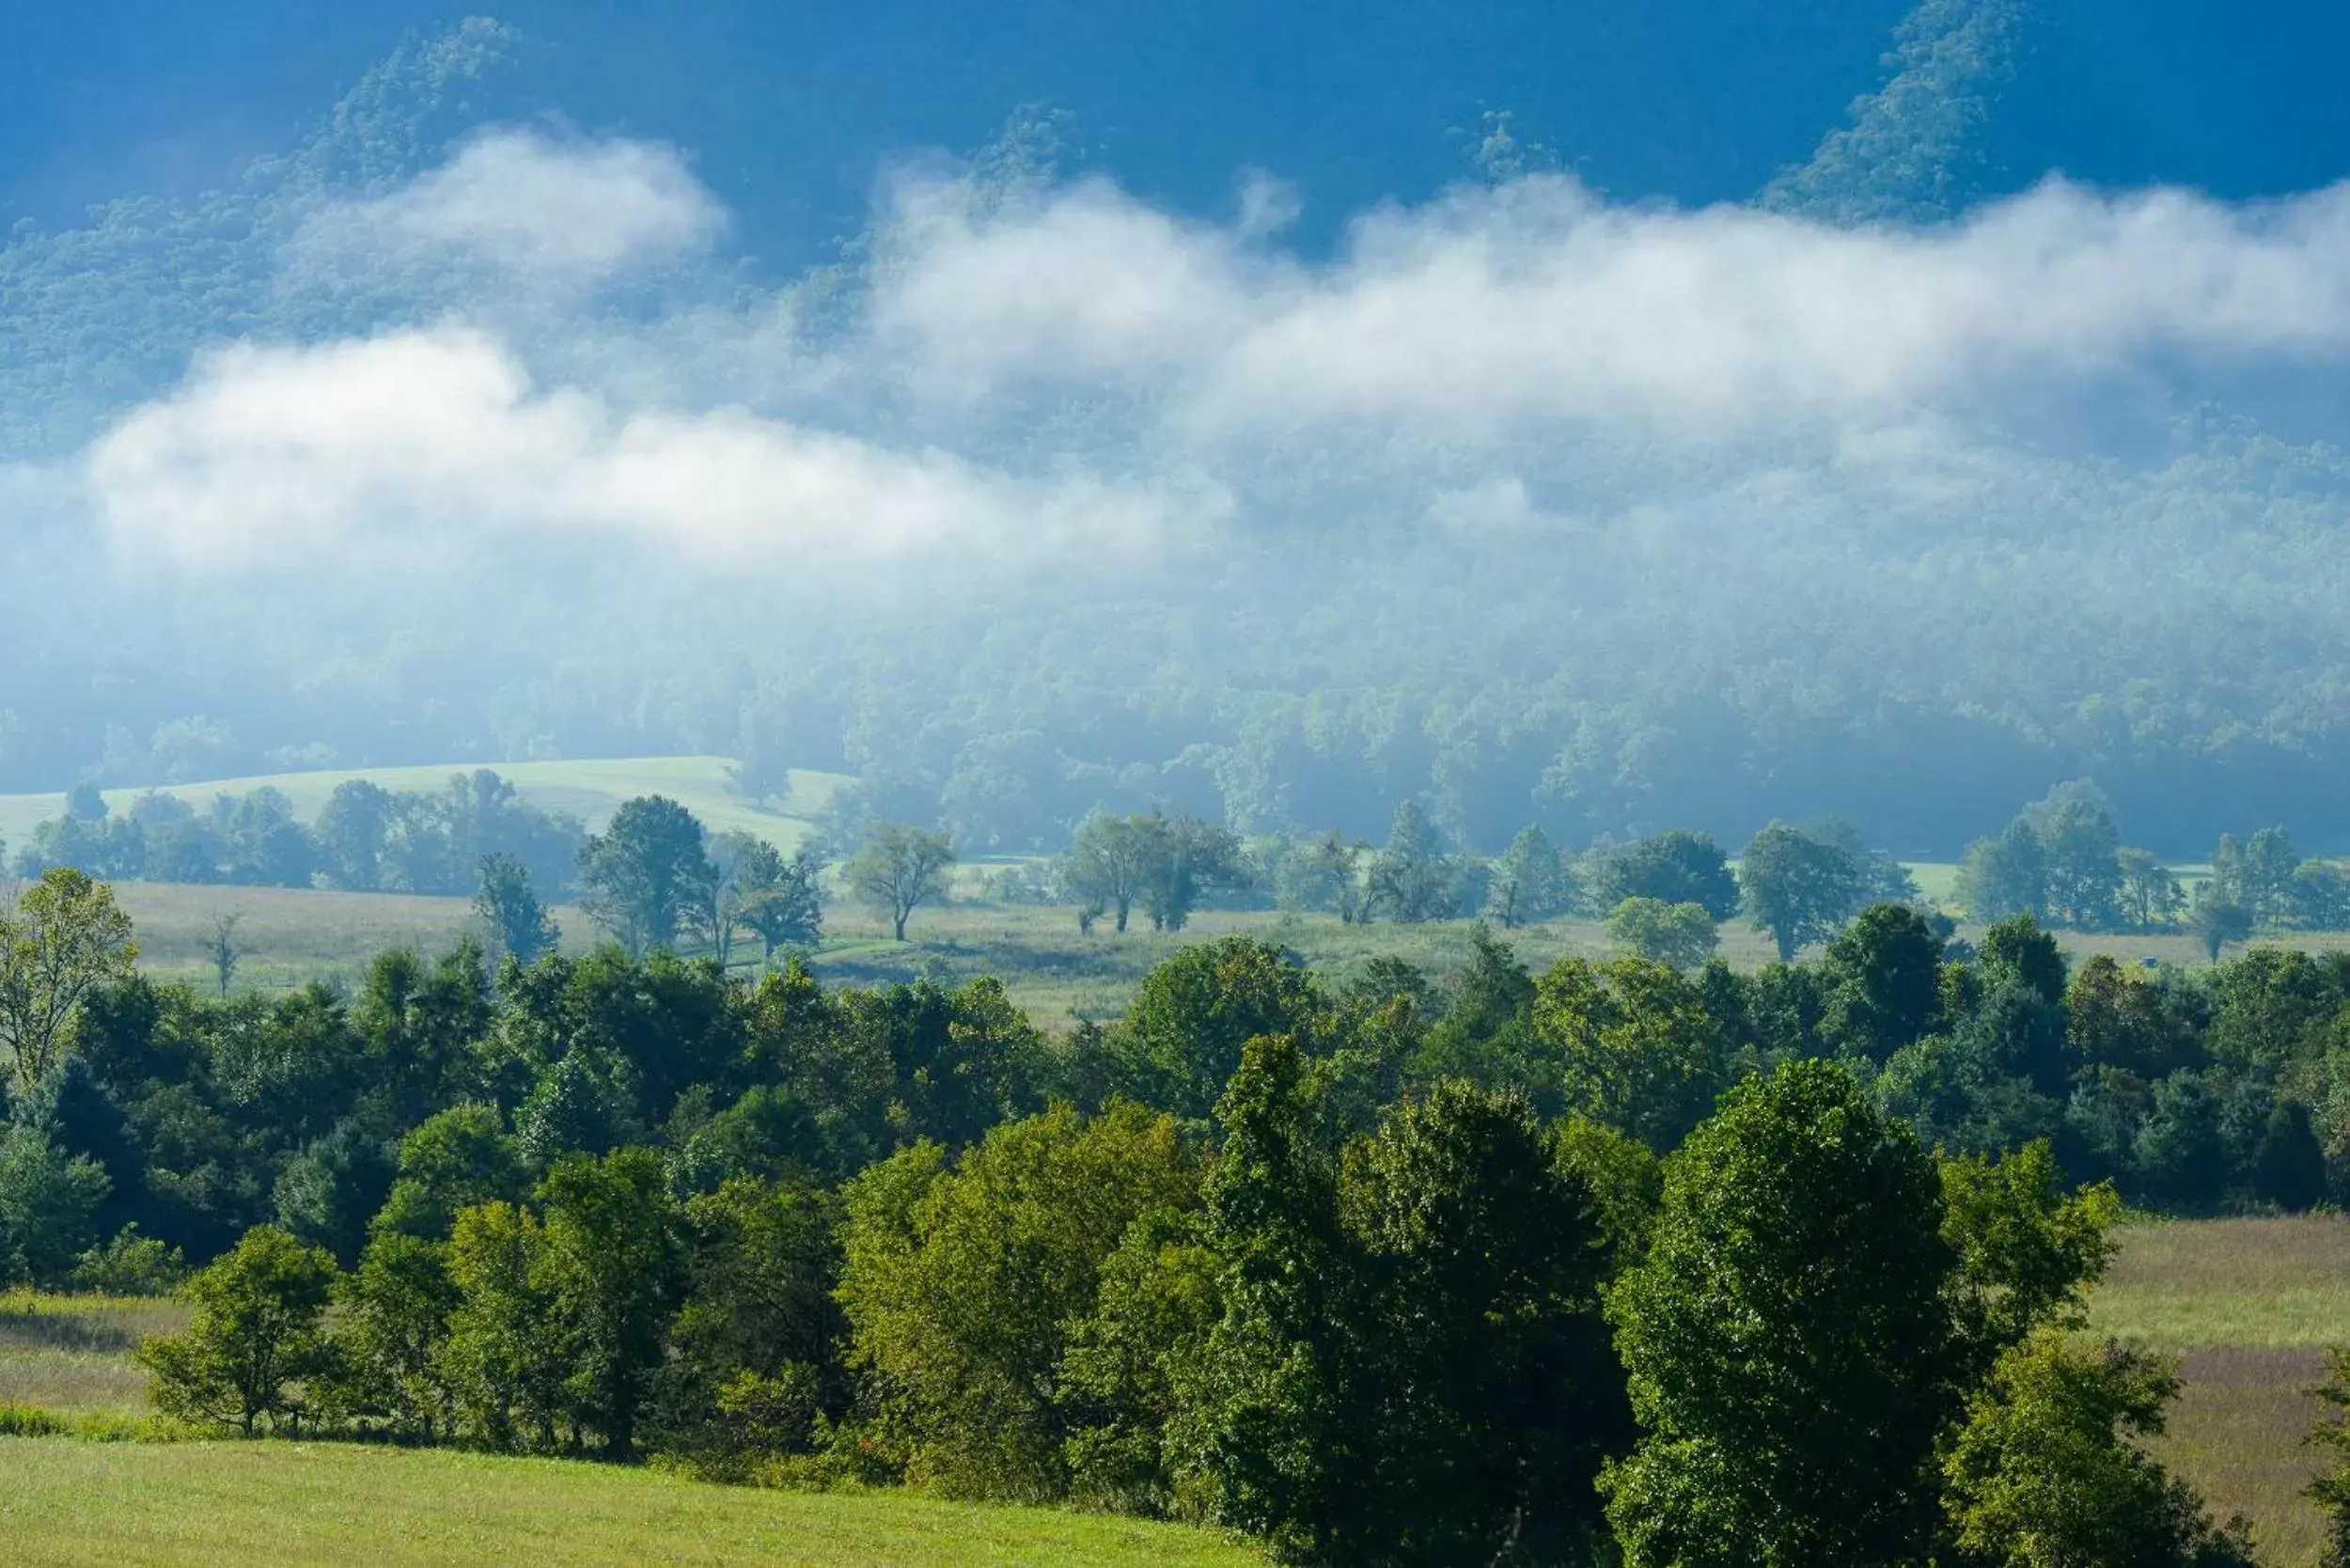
590	790
2249	1307
69	1504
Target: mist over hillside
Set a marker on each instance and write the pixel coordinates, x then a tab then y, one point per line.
1898	482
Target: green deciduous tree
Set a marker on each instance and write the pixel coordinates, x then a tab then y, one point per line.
450	1161
518	924
1796	887
508	1352
2151	894
47	1201
2007	875
2216	920
256	1330
781	901
1183	1032
2047	1470
1112	861
1677	867
612	1256
961	1286
759	1320
1787	1338
898	870
1528	883
1413	878
1633	1044
644	874
1884	974
1680	935
1480	1391
391	1334
2330	1490
65	939
1262	1425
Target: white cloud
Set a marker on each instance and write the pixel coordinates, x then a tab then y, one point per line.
430	443
544	213
1539	303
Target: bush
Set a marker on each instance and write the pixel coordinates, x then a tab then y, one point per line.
130	1264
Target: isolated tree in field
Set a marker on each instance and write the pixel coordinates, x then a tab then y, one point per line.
1681	935
900	868
1412	878
255	1329
782	902
1528	883
1789	1343
1679	867
222	950
2216	922
65	939
1113	860
1796	887
2319	897
2258	877
1196	857
718	912
646	873
1325	872
519	925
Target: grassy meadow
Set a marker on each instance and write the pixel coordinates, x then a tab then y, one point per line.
590	790
69	1504
71	1353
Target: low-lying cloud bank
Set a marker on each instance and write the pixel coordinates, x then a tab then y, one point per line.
1009	373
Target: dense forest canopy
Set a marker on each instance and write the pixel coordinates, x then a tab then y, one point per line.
1903	487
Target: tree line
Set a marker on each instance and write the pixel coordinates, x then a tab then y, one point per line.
366	839
2063	861
1378	1269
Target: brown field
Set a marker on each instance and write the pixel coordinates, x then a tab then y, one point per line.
2249	1307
